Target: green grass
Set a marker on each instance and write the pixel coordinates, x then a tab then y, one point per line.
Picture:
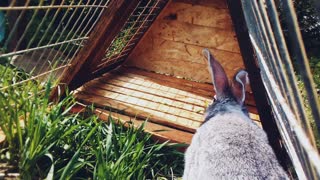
314	63
45	140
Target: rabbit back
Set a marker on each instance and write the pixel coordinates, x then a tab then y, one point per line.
231	146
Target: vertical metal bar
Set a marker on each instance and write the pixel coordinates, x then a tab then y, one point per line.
55	32
83	28
80	18
258	89
295	98
298	51
37	31
65	28
269	43
28	26
15	26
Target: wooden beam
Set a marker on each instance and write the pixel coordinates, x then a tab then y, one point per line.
107	28
258	89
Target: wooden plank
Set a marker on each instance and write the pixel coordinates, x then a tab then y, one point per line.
143	94
141	103
199	15
258	89
187	97
200	89
211	3
201	96
218	38
172	94
164	81
109	25
180	60
159	132
134	110
180	88
151	95
140	99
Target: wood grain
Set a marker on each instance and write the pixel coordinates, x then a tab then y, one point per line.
162	99
179	59
198	15
144	100
136	111
211	3
179	89
174	43
159	132
218	38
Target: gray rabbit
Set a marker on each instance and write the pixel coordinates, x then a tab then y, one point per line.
229	145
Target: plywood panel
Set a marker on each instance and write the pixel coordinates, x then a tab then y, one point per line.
174	43
199	15
211	3
218	38
179	59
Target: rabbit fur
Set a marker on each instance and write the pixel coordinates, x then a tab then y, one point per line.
229	145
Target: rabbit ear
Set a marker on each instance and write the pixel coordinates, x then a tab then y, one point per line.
240	80
219	77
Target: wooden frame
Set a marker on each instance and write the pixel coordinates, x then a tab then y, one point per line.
258	89
112	20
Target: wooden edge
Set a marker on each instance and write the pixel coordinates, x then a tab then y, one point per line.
159	133
134	113
108	26
203	86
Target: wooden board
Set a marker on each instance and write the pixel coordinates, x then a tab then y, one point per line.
174	43
215	17
179	59
159	132
172	102
218	38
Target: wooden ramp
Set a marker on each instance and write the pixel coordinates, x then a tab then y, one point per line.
174	107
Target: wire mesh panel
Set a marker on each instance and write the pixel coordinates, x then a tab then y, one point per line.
293	112
41	37
135	26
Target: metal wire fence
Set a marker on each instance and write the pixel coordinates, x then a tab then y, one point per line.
42	37
138	22
293	114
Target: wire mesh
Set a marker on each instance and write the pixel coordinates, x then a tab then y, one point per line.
40	38
136	25
276	59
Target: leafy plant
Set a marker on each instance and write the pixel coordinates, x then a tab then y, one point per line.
46	140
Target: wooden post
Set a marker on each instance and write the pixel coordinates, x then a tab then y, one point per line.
109	25
258	89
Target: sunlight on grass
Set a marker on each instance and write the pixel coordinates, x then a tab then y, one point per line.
45	140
